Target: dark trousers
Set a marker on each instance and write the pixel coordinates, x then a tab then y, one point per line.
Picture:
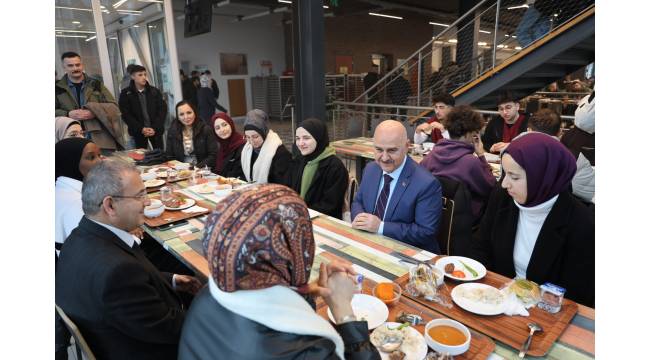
156	141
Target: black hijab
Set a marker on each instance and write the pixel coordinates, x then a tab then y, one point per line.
67	156
318	131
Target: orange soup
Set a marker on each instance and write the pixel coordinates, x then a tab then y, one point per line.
447	335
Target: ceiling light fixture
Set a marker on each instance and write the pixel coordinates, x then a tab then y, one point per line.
388	16
481	43
76	31
484	32
151	1
524	6
517	47
130	12
76	22
118	4
72	8
453	41
438	24
91	38
71	36
500	46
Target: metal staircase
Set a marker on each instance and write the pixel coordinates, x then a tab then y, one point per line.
490	49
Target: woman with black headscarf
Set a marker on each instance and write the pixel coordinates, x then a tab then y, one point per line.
74	157
317	174
258	304
533	227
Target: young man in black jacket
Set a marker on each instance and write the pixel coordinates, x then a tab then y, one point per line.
143	110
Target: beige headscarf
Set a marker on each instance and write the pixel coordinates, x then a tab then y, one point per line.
61	124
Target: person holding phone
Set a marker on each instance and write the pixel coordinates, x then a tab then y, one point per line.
462	157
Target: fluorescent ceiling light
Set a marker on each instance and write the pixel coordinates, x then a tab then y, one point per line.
388	16
151	1
517	47
514	36
325	7
284	1
130	12
136	26
76	22
91	38
524	6
72	8
118	4
507	35
438	42
482	43
484	32
72	36
439	24
500	46
453	41
76	31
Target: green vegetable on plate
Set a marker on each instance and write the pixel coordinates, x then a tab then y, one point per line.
469	269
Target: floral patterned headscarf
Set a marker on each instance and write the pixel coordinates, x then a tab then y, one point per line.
258	238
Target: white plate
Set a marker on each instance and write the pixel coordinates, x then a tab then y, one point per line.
414	346
367	307
477	307
188	203
153	183
204	189
456	260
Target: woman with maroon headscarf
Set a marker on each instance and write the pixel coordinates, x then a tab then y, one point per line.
260	250
533	227
231	144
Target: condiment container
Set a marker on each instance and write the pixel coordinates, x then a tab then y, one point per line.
552	296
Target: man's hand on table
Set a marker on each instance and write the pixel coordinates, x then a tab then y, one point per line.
188	284
496	148
367	222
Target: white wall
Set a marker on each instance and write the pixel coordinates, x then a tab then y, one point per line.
260	39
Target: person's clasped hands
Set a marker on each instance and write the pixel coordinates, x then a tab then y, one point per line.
336	285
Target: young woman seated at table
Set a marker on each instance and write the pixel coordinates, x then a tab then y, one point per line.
258	304
317	174
533	227
189	139
455	158
73	158
264	159
65	127
231	144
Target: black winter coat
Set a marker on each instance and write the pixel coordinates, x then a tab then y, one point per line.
213	332
132	110
494	131
232	164
205	143
279	171
327	190
563	254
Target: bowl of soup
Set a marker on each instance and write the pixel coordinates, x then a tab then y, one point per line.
447	336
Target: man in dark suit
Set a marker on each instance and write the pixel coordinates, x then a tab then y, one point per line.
397	198
143	110
124	307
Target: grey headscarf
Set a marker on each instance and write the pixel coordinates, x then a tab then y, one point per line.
61	124
257	120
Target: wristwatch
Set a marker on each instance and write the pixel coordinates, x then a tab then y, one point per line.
346	318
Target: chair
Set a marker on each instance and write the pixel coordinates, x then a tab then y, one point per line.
83	351
455	234
349	198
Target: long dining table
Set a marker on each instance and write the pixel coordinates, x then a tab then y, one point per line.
379	259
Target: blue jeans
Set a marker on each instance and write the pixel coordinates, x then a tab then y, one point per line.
532	27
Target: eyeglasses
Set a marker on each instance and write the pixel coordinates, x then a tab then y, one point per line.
142	196
77	134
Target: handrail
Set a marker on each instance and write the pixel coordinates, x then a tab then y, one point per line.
471	11
428	109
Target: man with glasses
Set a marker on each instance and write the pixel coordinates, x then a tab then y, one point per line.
501	130
124	307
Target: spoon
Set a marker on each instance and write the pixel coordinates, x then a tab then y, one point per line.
533	327
390	344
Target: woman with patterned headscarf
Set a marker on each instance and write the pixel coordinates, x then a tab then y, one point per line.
533	227
260	250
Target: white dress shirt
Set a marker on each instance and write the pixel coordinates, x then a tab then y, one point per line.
67	207
395	175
